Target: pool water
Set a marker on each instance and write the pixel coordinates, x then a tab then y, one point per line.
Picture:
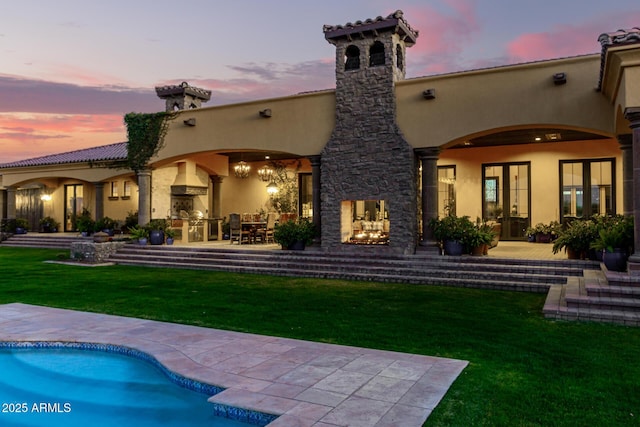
73	387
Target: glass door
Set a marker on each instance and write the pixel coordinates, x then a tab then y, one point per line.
74	203
506	198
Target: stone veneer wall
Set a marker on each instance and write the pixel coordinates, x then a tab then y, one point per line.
367	158
93	253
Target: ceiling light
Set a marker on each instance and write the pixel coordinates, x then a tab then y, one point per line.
242	170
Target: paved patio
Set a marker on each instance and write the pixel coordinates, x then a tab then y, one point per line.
307	383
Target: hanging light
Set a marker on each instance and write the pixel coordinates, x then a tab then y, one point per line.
265	173
272	188
242	169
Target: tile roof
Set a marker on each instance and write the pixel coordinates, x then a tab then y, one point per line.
394	21
616	38
111	152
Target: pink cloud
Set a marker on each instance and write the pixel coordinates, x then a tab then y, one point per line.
31	135
567	40
443	35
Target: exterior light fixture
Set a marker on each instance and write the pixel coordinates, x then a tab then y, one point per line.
272	188
242	170
45	197
266	113
190	122
559	79
429	94
265	173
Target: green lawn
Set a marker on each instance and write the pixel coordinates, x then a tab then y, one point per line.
524	370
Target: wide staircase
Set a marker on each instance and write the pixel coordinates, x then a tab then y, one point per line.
465	271
598	295
44	240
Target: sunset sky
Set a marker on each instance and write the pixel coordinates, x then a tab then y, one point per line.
70	69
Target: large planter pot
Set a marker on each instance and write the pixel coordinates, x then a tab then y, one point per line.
479	250
298	245
142	241
453	247
20	230
616	260
573	254
169	240
156	237
543	237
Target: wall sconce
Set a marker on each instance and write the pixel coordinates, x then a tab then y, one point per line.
190	122
272	188
266	113
559	79
429	94
45	197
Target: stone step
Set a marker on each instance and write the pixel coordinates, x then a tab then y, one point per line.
482	272
597	285
413	268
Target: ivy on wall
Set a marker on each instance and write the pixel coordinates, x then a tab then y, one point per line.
145	135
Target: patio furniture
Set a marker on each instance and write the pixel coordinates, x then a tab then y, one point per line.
237	231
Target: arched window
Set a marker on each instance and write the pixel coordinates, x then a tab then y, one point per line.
399	59
376	54
352	58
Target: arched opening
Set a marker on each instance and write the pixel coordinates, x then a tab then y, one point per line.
399	58
352	58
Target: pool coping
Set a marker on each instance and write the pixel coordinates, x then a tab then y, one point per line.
305	383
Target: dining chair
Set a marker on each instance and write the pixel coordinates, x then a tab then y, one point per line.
236	232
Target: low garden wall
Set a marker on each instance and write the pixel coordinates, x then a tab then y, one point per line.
92	252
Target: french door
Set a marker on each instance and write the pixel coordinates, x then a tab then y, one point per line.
506	197
74	202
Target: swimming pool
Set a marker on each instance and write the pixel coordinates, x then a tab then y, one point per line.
73	385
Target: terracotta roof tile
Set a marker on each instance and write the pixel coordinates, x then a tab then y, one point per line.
111	152
394	21
616	38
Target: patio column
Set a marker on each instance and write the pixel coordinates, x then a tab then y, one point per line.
633	115
429	162
626	146
144	196
99	199
11	202
315	189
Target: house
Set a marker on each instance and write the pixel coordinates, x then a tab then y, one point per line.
374	160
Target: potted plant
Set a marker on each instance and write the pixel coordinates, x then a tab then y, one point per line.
616	242
49	225
478	240
21	226
139	234
453	233
576	239
156	229
294	235
85	224
107	225
544	233
170	235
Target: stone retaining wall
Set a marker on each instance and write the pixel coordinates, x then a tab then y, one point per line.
91	252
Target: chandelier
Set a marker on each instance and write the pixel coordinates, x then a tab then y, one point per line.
265	173
242	169
272	188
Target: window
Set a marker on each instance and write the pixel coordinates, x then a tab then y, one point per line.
376	54
352	58
446	190
399	58
113	191
587	188
127	189
305	197
365	222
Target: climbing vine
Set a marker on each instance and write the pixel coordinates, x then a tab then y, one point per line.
145	135
286	199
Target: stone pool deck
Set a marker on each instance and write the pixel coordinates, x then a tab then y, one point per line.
306	383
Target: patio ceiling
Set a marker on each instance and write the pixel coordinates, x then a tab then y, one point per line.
528	136
256	156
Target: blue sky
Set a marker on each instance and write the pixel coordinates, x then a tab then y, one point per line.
71	69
